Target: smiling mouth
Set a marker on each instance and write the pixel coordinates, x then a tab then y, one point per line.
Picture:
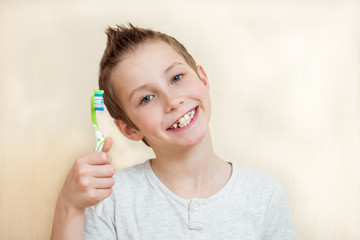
184	120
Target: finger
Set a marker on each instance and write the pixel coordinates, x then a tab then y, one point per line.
101	194
107	144
103	183
94	158
102	171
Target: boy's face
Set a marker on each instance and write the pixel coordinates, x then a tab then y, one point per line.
157	88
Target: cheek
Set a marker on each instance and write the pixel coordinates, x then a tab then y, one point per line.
147	120
198	90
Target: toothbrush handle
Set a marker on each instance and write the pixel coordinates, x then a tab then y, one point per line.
99	140
99	147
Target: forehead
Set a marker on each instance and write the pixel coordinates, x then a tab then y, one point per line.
145	64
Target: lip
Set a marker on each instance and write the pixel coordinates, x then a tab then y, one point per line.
189	125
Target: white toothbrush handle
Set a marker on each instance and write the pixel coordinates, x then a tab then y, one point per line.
99	140
99	147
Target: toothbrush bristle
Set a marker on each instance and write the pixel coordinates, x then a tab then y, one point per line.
98	102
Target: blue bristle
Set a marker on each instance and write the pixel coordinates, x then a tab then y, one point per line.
98	102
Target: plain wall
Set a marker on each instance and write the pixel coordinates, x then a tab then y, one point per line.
284	79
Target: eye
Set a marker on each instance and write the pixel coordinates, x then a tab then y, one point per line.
177	78
146	99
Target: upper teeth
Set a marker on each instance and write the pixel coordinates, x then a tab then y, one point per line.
184	120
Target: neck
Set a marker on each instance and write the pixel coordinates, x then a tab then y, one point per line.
192	171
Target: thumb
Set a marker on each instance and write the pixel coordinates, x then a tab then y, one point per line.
107	144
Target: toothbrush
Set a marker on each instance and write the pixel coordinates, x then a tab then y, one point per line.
97	104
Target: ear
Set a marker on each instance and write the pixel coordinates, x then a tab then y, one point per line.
128	131
202	75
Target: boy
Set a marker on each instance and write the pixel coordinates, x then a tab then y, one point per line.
156	93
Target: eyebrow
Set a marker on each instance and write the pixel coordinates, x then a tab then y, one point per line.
144	86
171	66
138	89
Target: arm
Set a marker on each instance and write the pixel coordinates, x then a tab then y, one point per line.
88	182
68	221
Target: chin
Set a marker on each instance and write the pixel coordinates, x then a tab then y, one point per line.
195	141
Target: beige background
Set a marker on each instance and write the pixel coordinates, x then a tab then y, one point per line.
285	88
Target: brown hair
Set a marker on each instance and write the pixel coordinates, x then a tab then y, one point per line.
122	40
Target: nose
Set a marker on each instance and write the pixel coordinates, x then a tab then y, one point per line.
173	101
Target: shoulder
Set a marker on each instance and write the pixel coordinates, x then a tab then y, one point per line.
254	177
131	175
256	184
132	181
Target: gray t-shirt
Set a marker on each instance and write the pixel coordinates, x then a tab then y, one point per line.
251	205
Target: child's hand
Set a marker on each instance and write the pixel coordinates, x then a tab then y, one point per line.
89	180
